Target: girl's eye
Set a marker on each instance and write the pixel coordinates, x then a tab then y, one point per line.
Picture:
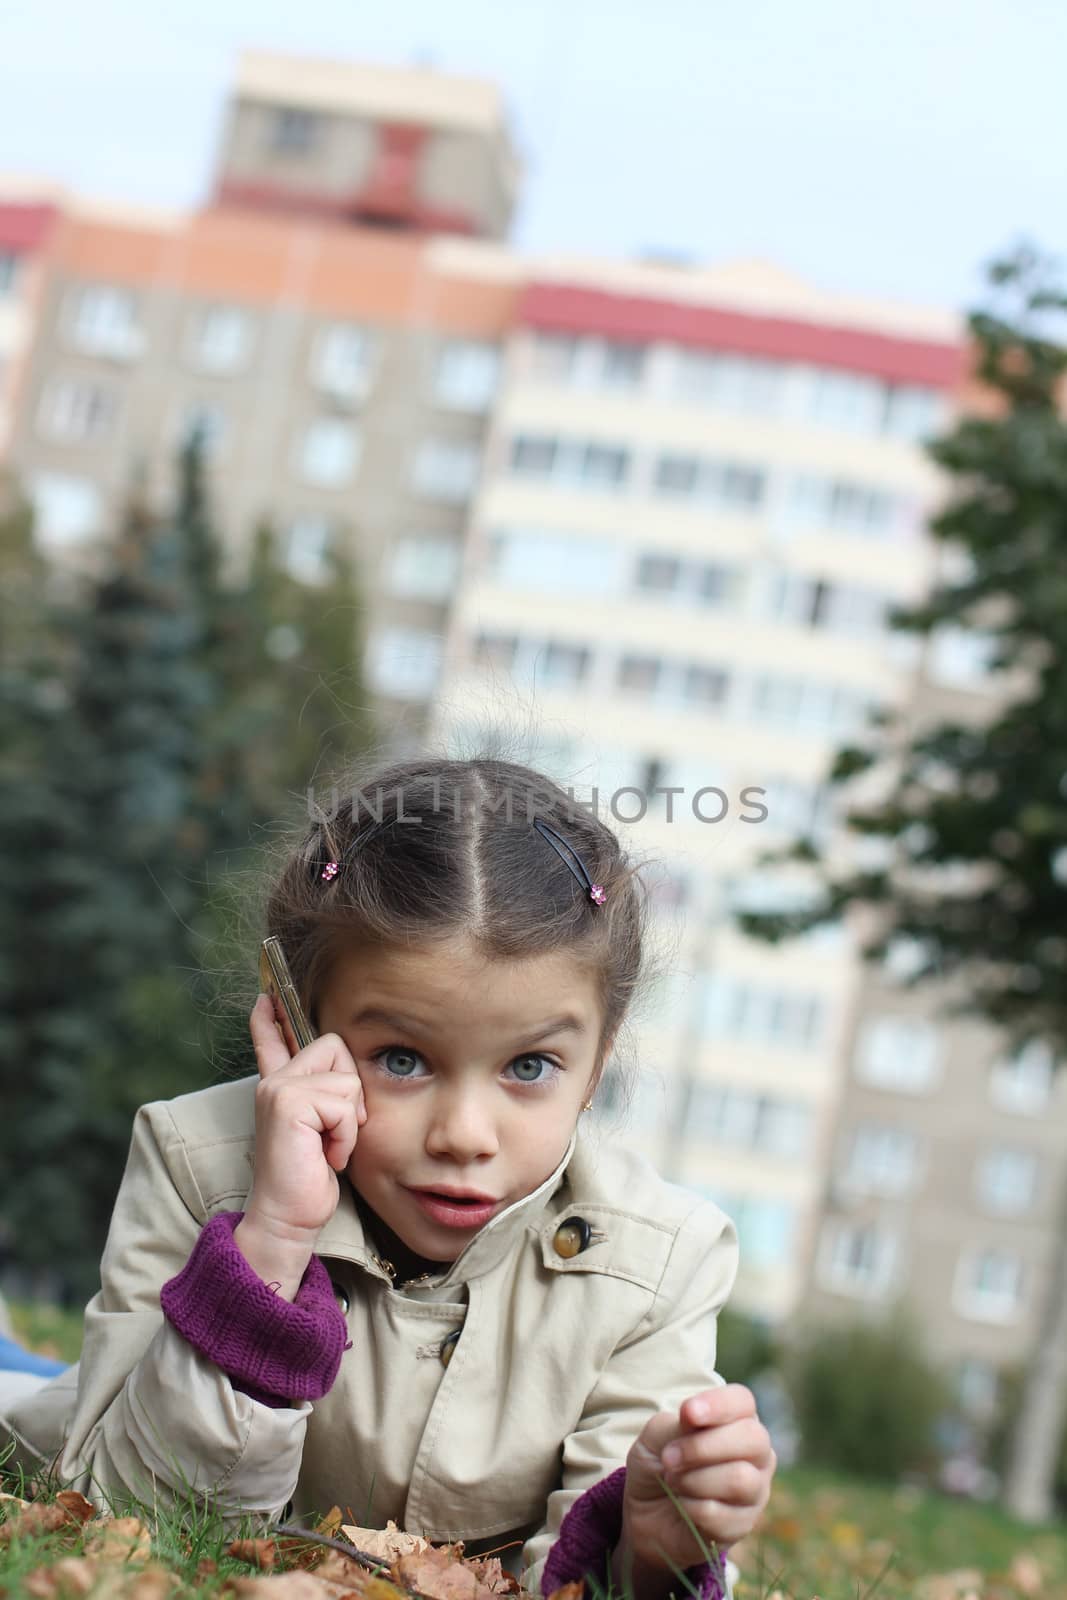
405	1054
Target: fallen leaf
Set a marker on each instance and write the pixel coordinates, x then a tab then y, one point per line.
119	1539
80	1509
262	1553
36	1518
386	1544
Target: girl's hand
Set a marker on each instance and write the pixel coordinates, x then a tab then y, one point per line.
722	1483
309	1108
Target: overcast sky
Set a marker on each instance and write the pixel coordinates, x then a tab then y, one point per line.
884	149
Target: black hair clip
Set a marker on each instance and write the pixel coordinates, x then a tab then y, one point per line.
596	891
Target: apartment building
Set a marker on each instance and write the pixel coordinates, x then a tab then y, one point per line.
702	492
339	367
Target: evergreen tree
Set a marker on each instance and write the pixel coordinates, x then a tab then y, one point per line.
97	894
974	812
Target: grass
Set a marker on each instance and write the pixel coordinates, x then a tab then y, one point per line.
822	1535
827	1535
48	1330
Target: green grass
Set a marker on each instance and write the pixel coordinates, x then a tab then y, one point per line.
822	1535
827	1535
47	1330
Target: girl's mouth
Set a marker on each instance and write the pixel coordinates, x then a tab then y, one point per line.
453	1213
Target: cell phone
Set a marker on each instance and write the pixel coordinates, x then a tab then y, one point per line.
277	981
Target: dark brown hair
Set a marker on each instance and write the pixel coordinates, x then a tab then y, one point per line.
433	848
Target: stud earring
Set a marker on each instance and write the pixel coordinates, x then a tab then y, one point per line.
588	1106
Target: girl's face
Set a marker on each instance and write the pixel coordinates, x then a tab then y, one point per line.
473	1073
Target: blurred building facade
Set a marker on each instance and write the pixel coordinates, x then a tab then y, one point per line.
645	520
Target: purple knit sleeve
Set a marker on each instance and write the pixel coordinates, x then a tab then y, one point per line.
276	1351
588	1535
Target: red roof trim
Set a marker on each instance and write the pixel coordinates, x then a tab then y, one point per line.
24	226
563	308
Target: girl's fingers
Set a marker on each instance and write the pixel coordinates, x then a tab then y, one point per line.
272	1052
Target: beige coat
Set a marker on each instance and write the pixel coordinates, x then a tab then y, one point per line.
562	1358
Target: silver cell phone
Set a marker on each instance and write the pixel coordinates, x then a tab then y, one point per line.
276	980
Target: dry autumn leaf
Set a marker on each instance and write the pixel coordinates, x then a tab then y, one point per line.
387	1544
36	1518
119	1539
262	1553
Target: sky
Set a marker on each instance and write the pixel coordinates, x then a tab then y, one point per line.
885	149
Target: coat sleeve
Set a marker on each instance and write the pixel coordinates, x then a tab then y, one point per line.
154	1418
668	1357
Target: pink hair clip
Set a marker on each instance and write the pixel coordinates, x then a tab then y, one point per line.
598	893
330	870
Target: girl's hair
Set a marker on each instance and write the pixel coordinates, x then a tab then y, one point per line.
431	849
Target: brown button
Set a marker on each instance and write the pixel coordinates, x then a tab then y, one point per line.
572	1236
449	1345
340	1295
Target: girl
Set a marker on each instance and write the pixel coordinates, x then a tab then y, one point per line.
393	1271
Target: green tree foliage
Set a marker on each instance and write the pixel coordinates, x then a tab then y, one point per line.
146	735
867	1400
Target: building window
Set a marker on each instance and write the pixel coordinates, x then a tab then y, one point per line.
342	361
857	1259
404	663
658	574
639	674
104	322
881	1160
562	666
847	400
898	1053
308	545
623	365
219	338
914	413
705	686
294	130
555	563
1023	1082
77	410
9	272
1005	1181
423	566
465	376
66	509
676	475
534	455
837	504
602	466
733	383
329	452
989	1285
715	585
446	469
760	1014
738	1117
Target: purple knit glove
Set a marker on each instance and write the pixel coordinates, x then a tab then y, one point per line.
276	1351
588	1535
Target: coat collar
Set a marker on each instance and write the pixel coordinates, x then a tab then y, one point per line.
345	1238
